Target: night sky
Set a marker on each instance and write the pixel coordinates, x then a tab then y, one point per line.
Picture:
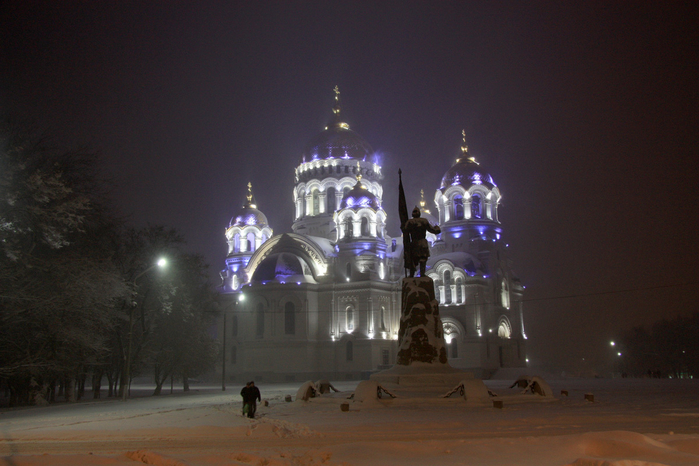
584	113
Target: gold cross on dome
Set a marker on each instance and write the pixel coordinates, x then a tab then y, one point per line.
249	196
337	92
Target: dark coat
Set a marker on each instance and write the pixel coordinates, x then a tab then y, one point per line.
250	394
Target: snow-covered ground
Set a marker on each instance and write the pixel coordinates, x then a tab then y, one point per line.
631	422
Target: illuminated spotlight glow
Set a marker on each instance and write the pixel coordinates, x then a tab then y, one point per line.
241	297
618	354
348	279
611	343
527	360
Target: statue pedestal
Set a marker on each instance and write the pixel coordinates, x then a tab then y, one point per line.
422	354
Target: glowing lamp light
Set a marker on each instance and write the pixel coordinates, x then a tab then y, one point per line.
162	262
241	298
618	354
348	279
611	343
527	359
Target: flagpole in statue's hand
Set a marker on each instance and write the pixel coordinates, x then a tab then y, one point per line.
403	214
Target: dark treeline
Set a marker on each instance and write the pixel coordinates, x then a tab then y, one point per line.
670	348
77	284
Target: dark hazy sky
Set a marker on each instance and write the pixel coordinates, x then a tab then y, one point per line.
585	114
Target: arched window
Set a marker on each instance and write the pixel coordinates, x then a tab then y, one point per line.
447	287
237	242
458	207
348	228
260	321
459	293
349	351
302	200
383	319
349	313
345	190
365	226
330	200
505	294
454	349
437	285
316	202
476	206
289	318
251	241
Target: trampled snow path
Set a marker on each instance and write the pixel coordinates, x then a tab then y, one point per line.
631	422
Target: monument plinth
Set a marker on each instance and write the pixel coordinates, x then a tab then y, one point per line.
422	361
421	336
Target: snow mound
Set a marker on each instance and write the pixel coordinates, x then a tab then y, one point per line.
596	462
148	457
306	391
475	392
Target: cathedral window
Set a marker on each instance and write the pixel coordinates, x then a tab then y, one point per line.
383	319
237	242
476	206
316	202
251	241
260	321
458	207
349	314
349	353
331	200
459	291
447	287
365	226
454	347
289	318
505	294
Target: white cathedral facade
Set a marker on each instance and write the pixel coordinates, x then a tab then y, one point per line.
323	301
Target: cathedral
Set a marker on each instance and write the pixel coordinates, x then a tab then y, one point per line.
323	301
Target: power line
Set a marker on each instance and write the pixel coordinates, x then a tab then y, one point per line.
598	293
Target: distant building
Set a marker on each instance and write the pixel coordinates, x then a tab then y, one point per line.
323	301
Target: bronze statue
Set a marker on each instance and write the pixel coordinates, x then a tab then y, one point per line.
416	250
417	227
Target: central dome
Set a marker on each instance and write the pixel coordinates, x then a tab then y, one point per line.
337	142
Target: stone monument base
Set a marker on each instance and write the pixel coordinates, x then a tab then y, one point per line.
422	377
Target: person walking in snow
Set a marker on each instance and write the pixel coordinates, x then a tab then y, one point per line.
250	394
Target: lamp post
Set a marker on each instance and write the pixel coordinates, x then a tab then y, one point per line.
127	370
240	298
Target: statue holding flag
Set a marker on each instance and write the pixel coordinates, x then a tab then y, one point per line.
416	250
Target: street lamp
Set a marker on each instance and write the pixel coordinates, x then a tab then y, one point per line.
241	298
127	370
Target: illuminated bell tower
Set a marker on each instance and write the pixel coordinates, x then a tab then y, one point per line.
246	232
468	201
328	170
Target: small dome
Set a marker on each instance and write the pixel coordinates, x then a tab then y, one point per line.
249	214
337	142
359	197
466	172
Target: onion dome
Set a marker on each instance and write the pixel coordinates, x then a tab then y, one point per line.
359	197
466	172
337	141
249	214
